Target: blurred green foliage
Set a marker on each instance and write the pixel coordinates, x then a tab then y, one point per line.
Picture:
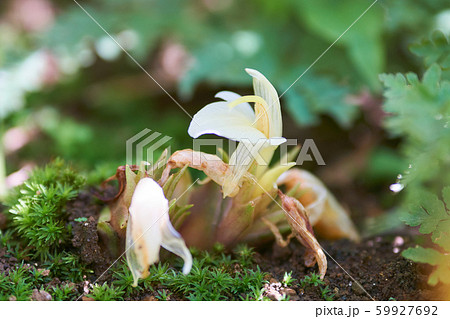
99	97
102	98
420	113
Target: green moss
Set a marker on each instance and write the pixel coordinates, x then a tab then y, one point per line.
38	209
67	266
123	278
163	295
245	254
106	293
64	292
19	283
214	276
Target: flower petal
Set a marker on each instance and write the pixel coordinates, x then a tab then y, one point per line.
219	119
240	162
275	141
148	206
265	89
244	108
172	241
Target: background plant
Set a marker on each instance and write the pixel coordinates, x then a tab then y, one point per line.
420	113
85	81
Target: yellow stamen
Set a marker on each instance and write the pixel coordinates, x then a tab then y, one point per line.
262	122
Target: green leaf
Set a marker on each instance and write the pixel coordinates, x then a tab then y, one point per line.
423	255
441	235
418	113
441	273
435	49
428	214
446	196
431	78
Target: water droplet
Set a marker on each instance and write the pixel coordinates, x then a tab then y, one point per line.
397	187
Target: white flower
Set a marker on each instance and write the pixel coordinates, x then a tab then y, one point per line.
258	131
149	228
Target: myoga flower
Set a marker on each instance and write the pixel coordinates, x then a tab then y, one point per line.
258	130
149	228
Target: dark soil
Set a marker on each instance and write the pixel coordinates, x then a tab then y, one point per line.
376	264
85	236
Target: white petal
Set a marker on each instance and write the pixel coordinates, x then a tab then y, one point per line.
172	241
239	162
275	141
136	247
219	119
148	207
265	89
244	108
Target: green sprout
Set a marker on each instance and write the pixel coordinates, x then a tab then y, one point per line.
287	279
326	293
163	295
312	280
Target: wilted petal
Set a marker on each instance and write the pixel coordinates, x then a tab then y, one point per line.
311	196
210	164
147	228
298	220
140	253
172	241
143	241
219	119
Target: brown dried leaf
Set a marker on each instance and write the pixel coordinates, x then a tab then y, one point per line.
276	232
119	204
298	220
211	165
120	176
